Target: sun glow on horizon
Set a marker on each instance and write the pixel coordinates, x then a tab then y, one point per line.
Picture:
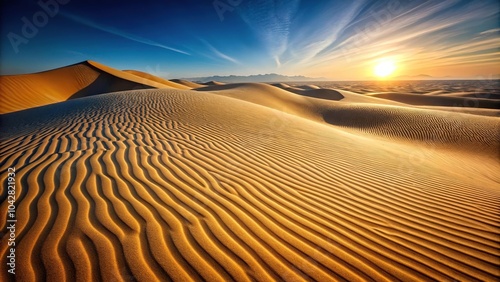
385	68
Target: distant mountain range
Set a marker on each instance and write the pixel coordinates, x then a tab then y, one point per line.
271	77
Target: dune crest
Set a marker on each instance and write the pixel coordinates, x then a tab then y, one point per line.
212	83
312	91
187	83
163	81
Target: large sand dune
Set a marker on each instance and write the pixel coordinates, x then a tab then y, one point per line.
19	92
251	182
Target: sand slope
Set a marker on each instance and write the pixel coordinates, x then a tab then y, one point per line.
19	92
394	121
163	81
313	91
198	185
213	82
440	100
476	94
187	83
466	110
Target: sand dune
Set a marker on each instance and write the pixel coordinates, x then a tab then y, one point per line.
151	77
327	94
309	87
269	96
19	92
187	83
466	110
287	87
440	100
335	94
355	97
128	76
444	129
438	128
477	94
281	85
250	182
211	83
313	91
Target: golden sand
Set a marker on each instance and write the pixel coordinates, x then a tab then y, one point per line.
244	182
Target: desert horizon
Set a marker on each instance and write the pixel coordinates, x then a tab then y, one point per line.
252	140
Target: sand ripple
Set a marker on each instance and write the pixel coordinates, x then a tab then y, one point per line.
184	185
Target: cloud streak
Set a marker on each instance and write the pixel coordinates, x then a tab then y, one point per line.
494	30
119	33
418	35
324	30
271	21
219	54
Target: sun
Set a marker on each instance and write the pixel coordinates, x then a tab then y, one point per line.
385	68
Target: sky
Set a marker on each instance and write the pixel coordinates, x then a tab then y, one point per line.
338	40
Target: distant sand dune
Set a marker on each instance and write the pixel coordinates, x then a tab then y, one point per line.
309	87
453	130
327	94
194	185
477	94
440	100
313	91
187	83
354	97
281	85
210	83
157	79
268	96
466	110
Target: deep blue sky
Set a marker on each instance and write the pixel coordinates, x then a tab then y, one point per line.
334	39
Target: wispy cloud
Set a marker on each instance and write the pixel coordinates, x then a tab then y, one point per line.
490	31
323	30
271	21
419	35
343	39
120	33
218	53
